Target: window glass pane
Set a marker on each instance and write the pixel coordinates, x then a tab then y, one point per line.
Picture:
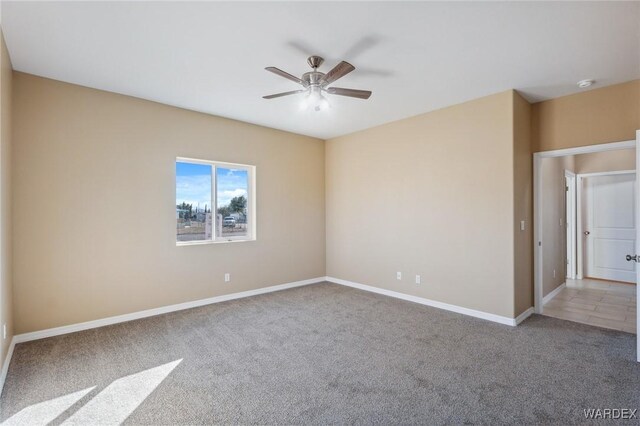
193	201
232	188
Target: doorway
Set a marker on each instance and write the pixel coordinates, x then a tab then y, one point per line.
610	218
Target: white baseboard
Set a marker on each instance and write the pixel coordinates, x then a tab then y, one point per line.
156	311
5	364
551	295
526	314
434	303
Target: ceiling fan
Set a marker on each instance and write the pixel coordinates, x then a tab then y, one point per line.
315	84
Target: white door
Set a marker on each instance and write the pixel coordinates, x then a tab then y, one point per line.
610	228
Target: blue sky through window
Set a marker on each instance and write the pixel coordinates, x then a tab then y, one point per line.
193	184
231	183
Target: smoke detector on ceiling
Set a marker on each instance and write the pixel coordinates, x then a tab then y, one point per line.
585	83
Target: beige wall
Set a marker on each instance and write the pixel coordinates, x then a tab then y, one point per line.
608	161
430	195
94	200
608	114
554	231
523	204
6	294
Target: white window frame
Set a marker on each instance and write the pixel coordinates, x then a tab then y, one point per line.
251	201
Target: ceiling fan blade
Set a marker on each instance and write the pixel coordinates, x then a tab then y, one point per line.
284	74
353	93
339	71
278	95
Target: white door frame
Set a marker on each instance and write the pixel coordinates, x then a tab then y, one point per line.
579	186
571	223
537	204
637	242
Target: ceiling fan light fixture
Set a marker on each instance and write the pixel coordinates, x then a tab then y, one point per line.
315	100
322	104
307	101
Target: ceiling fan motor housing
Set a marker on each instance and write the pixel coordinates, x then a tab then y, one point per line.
313	77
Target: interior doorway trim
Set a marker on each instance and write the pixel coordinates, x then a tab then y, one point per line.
537	203
613	172
570	210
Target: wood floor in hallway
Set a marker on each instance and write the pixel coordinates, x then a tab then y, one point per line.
594	302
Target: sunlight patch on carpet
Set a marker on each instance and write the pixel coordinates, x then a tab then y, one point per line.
46	411
117	401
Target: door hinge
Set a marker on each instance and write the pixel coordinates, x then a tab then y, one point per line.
566	188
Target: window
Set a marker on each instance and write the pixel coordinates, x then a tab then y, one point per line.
214	202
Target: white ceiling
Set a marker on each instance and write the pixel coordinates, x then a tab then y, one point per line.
415	57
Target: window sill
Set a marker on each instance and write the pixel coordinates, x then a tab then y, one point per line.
219	241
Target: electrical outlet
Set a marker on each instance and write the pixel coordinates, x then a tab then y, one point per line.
522	225
398	276
554	273
227	277
418	279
